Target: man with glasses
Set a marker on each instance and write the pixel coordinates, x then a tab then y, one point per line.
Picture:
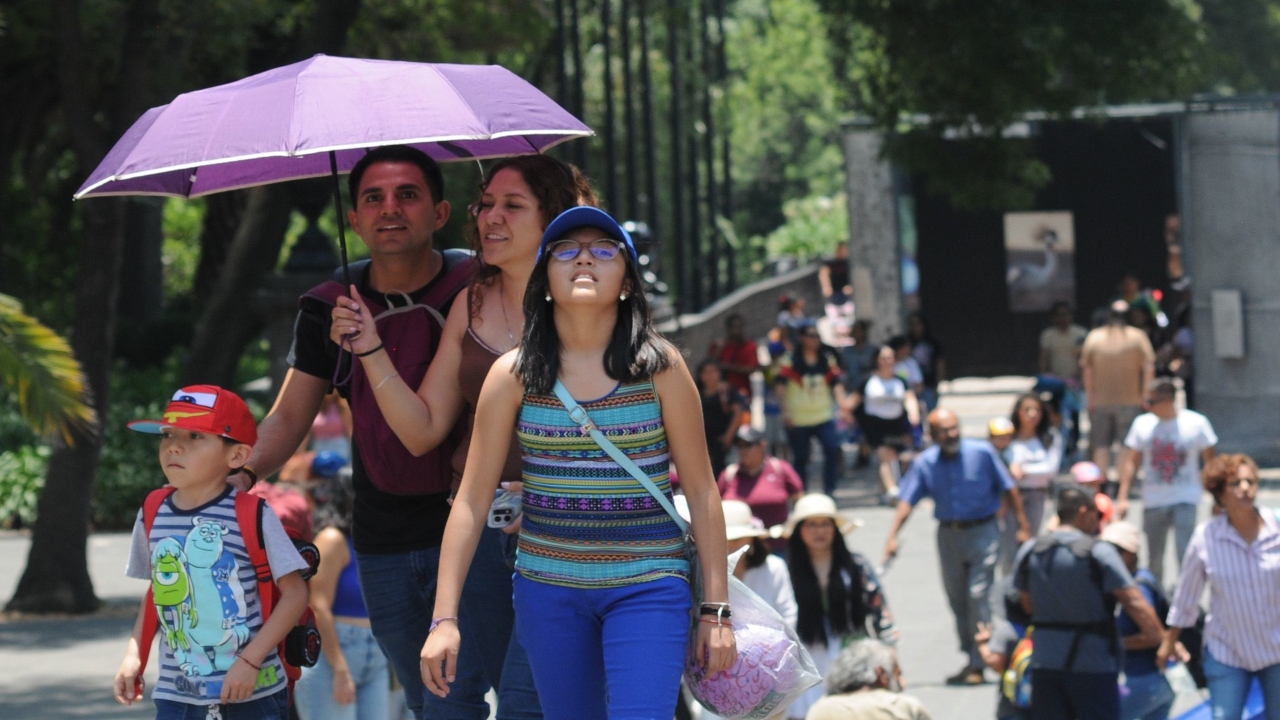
1169	444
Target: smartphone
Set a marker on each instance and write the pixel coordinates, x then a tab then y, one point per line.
506	507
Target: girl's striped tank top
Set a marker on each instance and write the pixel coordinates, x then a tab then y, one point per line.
587	522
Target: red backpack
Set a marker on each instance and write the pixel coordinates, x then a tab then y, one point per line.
300	648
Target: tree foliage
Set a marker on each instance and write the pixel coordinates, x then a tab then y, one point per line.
924	70
37	367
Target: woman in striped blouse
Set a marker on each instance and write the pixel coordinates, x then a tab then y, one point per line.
601	591
1238	554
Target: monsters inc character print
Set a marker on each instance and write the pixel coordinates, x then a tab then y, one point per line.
199	599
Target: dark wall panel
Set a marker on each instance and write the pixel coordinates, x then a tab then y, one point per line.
1119	185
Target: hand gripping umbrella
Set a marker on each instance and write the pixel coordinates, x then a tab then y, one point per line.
319	117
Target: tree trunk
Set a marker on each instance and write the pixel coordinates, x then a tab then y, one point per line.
57	575
222	215
230	319
56	578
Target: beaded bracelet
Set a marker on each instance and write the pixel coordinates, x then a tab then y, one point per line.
717	622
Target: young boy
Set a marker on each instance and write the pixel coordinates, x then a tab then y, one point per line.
218	659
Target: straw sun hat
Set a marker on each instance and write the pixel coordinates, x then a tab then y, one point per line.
816	505
739	522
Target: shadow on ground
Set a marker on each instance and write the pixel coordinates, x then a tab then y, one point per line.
63	632
60	699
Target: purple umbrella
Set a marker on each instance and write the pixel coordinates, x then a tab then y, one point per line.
284	124
319	117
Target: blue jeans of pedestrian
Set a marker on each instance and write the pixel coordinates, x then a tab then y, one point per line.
1148	697
615	653
832	453
272	707
1060	695
313	695
1229	688
400	592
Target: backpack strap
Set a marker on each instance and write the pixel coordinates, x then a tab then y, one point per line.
249	517
459	266
150	620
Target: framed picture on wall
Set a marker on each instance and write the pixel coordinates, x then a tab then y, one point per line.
1040	260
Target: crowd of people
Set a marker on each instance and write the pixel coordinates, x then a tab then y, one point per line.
530	368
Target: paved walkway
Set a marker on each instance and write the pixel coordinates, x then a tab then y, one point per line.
62	668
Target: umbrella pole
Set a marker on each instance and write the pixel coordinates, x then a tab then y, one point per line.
337	204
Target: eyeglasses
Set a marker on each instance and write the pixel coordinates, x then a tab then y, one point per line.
568	250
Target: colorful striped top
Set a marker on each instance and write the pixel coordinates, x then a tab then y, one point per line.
587	522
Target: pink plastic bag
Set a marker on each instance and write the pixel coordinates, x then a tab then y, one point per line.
773	666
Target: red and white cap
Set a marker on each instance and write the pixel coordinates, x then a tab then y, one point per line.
207	409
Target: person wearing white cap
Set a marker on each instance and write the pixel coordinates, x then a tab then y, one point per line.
838	592
1149	696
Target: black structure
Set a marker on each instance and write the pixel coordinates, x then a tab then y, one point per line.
1116	176
671	173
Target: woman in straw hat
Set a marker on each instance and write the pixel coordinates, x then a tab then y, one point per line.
837	591
765	573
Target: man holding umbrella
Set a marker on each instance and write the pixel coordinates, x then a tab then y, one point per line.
401	501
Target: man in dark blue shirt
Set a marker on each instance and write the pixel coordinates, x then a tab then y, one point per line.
967	482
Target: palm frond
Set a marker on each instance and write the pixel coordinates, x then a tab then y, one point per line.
39	369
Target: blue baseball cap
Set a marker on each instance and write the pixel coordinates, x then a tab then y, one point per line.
586	216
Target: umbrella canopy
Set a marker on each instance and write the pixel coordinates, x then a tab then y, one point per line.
287	124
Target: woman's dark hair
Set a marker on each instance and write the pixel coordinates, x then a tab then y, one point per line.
848	613
758	554
925	333
697	376
556	186
635	352
334	497
1044	428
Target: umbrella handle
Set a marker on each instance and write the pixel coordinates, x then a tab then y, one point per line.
337	205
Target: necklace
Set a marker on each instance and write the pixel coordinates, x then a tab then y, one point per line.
502	300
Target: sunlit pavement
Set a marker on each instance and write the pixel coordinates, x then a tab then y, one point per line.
63	668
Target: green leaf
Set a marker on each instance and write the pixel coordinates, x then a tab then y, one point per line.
39	369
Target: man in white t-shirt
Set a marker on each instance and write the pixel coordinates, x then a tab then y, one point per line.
1169	444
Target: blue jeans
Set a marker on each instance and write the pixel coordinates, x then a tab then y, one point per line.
832	453
272	707
1229	688
313	695
1059	695
400	592
615	653
1149	697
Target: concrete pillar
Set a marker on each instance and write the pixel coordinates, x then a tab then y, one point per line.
873	233
1229	178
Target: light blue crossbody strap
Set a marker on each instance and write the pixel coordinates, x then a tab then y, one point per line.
578	415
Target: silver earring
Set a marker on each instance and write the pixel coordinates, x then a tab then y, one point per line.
548	296
622	297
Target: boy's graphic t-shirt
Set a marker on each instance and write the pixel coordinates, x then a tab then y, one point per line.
206	595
